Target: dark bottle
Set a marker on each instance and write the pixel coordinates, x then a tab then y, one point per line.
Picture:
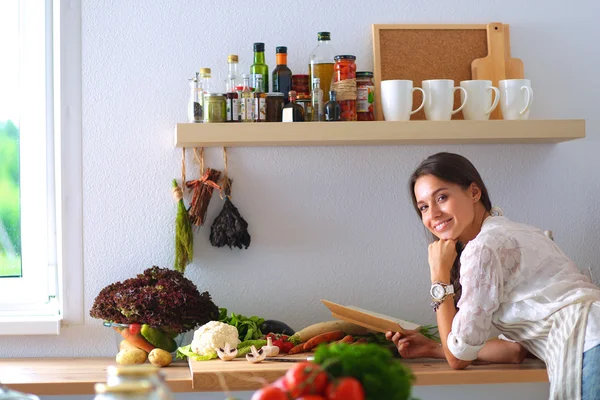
293	112
282	75
259	68
333	111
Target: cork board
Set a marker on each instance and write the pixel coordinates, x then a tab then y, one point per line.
421	52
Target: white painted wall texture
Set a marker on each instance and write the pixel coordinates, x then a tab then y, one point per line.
331	222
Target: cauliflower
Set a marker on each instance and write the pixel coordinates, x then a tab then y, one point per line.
213	335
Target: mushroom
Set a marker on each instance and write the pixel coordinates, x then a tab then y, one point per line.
227	353
255	356
269	349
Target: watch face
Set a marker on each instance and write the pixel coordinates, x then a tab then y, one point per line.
437	292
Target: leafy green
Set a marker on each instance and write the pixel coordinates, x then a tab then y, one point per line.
248	327
186	351
382	376
431	332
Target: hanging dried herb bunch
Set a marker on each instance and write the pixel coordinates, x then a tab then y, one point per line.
202	191
229	228
184	242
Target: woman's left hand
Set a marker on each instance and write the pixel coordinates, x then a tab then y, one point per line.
442	254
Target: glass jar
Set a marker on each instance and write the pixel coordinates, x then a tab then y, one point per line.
215	107
275	102
126	391
365	96
305	101
344	84
300	84
116	375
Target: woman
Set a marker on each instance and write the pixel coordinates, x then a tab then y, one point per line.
512	276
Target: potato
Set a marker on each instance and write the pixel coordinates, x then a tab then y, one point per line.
131	356
160	358
124	345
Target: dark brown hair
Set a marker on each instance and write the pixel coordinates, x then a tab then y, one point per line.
452	168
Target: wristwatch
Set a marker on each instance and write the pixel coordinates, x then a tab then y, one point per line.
439	292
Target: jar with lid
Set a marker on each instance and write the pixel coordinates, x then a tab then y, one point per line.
195	100
116	375
365	96
305	100
344	84
300	84
126	391
215	107
275	103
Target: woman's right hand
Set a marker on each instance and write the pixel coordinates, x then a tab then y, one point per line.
412	344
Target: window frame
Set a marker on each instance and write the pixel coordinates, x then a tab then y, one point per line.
66	120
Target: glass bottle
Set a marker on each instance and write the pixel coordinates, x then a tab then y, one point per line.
259	68
260	102
247	101
195	100
317	100
333	110
232	63
117	375
320	63
282	75
293	112
233	101
206	80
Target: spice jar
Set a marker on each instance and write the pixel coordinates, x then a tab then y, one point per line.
275	102
306	102
365	96
215	107
344	84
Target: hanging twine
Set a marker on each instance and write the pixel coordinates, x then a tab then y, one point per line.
182	170
225	182
200	159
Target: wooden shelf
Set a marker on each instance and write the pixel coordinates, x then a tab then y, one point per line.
377	133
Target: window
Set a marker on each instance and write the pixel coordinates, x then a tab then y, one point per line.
40	166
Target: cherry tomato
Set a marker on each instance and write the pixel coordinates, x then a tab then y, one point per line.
270	393
135	329
306	378
345	389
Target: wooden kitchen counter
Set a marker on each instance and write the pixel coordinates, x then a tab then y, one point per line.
67	376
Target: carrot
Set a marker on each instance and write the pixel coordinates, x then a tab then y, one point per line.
135	340
347	339
361	340
323	338
297	349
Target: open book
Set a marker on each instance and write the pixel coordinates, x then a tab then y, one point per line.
369	319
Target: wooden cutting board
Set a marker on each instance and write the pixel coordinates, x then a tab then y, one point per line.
514	66
492	66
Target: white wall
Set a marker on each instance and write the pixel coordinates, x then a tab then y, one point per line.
331	222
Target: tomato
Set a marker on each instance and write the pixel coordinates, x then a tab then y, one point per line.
345	389
270	393
135	329
280	383
305	378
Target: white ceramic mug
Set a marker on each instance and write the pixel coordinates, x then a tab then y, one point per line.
440	99
516	97
397	99
479	105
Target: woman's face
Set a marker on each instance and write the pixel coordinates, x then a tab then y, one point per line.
447	210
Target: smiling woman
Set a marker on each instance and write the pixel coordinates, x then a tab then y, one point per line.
512	276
